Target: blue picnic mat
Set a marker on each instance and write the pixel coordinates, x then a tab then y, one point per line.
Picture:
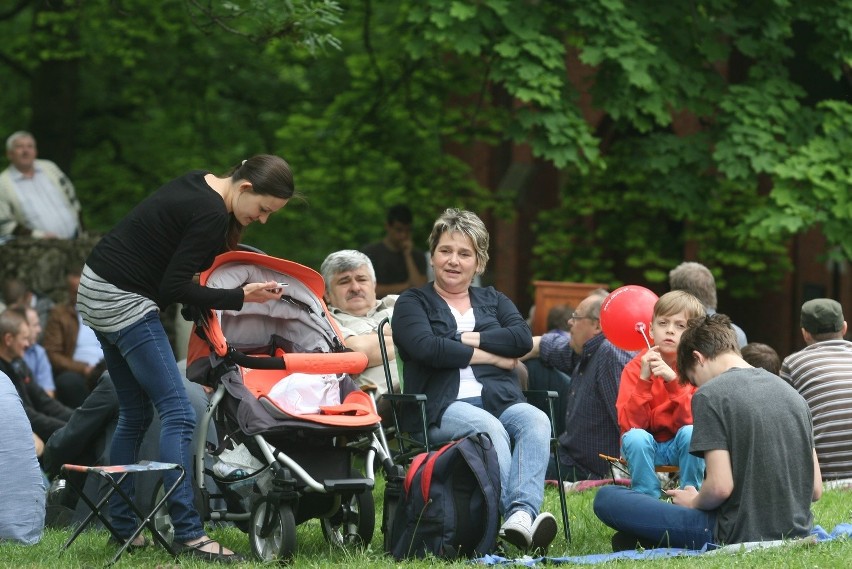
818	533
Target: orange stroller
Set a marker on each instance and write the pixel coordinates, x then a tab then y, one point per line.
290	421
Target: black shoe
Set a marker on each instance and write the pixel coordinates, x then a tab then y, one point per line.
57	516
623	541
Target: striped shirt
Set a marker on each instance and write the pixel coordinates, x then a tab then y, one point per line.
107	308
822	374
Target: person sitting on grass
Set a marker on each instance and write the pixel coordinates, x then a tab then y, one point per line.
654	408
755	434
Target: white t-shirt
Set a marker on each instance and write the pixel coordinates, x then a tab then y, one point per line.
88	348
468	384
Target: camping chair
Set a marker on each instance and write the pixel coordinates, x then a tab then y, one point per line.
409	446
669	471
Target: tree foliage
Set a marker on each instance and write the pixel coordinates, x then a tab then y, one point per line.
723	124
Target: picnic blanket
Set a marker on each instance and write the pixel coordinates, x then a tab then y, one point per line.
818	534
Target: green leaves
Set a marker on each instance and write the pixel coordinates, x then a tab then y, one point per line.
722	125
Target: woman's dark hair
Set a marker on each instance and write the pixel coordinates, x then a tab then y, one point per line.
269	176
710	336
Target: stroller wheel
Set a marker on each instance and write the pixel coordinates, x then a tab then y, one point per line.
353	523
272	534
162	519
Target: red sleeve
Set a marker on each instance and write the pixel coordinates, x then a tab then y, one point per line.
634	397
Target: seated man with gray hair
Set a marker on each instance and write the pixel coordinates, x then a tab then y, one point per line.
350	292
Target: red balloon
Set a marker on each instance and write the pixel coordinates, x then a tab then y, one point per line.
626	316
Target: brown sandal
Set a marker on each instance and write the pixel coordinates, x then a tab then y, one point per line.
195	551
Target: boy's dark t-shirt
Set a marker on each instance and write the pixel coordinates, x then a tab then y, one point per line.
766	427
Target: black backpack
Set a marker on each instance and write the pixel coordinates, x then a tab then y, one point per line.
449	505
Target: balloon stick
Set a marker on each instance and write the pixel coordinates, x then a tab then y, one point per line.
640	327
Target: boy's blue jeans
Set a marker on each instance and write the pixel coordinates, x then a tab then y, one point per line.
643	453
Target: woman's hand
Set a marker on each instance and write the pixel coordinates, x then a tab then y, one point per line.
480	356
261	292
507	363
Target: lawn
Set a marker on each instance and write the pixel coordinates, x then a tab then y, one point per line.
588	536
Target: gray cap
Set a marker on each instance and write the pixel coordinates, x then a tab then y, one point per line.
822	316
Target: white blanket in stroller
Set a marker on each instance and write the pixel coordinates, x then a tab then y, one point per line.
304	393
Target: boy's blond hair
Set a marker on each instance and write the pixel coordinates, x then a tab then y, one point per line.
678	301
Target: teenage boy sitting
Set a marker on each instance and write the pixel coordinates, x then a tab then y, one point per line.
756	436
654	408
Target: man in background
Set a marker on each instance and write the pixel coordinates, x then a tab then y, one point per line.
822	374
36	198
74	351
697	280
397	263
594	365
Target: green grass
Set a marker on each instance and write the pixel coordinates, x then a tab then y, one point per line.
588	536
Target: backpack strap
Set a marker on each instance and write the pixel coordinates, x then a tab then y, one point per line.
412	470
429	468
477	451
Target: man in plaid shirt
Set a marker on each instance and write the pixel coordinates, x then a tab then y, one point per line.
595	365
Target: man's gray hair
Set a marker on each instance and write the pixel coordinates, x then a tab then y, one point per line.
697	280
15	136
342	261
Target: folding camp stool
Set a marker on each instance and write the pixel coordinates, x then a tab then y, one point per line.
106	473
669	470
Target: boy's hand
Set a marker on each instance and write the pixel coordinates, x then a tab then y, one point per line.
653	362
683	497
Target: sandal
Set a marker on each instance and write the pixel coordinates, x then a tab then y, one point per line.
195	551
146	542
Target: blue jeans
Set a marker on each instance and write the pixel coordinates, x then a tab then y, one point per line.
521	437
643	453
652	519
143	369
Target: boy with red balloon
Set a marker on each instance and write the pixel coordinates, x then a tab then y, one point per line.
654	409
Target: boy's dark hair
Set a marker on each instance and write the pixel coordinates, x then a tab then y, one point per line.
710	336
762	355
400	213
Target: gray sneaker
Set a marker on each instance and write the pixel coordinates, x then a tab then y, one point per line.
543	531
516	530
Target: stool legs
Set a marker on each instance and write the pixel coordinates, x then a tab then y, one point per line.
147	520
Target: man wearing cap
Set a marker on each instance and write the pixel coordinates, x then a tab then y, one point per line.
822	374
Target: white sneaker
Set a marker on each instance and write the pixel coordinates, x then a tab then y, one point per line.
543	531
517	530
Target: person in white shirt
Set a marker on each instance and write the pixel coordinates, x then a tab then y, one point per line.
36	198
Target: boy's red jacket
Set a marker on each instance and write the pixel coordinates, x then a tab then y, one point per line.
655	406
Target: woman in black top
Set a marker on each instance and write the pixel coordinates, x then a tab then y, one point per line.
147	262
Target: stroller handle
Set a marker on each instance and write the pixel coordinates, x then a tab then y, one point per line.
344	362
